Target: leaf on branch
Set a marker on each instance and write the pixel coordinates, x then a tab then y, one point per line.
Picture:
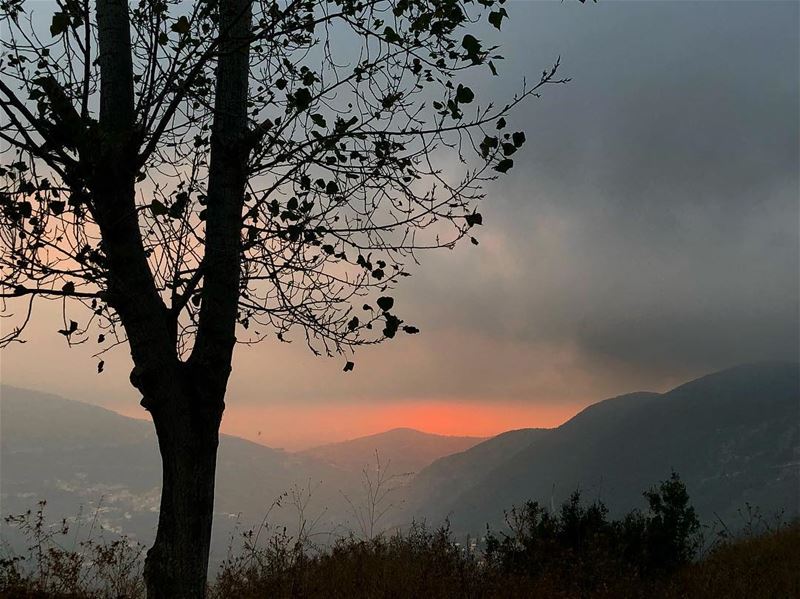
73	326
181	26
177	209
488	144
301	99
59	24
392	324
391	36
473	47
509	149
69	287
474	219
56	207
464	95
504	165
388	101
353	324
496	17
157	208
385	303
518	138
319	120
411	330
348	367
100	365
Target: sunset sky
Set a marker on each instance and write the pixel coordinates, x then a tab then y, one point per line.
647	234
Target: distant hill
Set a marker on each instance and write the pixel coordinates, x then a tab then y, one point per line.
434	484
80	456
402	450
733	436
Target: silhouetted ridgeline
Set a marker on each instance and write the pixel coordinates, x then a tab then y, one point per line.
734	436
405	449
83	458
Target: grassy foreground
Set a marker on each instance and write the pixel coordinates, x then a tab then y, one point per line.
573	552
762	567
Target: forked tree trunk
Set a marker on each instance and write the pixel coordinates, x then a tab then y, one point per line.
185	400
187	420
187	423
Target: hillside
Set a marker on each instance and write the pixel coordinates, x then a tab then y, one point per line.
402	450
464	470
81	457
732	436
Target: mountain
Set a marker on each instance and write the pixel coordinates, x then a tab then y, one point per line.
84	459
733	436
81	458
400	450
434	484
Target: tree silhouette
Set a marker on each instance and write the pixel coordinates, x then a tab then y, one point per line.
193	175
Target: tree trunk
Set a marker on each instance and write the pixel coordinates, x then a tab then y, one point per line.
185	400
227	178
187	424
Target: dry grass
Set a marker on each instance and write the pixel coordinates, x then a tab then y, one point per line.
427	564
761	567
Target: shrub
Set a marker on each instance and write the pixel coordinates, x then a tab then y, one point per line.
580	545
575	551
94	567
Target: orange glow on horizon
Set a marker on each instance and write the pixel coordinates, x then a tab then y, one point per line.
298	427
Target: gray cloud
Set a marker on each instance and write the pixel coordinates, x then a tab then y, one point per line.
653	220
649	231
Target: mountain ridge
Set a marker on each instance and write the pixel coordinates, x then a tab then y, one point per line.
402	449
732	435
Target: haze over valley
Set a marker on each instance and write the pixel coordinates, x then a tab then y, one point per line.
733	436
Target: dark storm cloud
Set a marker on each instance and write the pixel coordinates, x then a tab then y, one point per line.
653	218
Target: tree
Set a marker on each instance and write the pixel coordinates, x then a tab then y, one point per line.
186	176
672	525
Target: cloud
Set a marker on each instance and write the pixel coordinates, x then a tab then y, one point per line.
648	232
653	220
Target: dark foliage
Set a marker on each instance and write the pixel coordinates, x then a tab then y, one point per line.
69	559
574	551
580	545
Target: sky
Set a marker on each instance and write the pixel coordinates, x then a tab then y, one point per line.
648	234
